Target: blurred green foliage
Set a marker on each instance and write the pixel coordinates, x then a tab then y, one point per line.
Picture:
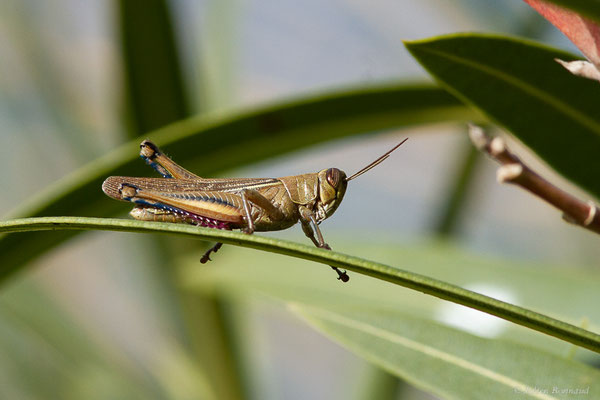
165	328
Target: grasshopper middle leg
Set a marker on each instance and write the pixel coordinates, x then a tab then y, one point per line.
249	195
206	257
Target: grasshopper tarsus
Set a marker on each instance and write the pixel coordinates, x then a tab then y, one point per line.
342	275
206	257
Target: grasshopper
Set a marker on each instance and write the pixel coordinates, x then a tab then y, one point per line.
249	204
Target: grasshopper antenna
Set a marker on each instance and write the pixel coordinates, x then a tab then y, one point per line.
376	162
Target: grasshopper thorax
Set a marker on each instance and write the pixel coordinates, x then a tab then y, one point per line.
332	187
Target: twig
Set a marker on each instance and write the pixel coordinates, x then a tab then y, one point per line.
513	170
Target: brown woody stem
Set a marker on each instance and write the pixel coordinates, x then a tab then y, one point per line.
513	170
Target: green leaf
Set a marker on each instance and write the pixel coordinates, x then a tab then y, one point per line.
520	86
217	143
566	292
561	291
155	95
589	8
443	290
153	78
448	362
41	343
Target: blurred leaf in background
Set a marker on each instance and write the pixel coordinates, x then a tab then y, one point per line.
93	319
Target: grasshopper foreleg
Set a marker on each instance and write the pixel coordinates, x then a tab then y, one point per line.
310	226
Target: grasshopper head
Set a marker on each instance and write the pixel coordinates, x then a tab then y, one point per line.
333	183
332	187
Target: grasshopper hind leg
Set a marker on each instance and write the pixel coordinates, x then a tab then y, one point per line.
163	164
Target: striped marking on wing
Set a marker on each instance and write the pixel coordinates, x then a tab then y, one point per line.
215	205
237	185
161	185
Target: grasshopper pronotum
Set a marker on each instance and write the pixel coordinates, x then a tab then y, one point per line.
249	204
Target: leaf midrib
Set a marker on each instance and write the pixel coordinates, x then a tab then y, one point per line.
419	347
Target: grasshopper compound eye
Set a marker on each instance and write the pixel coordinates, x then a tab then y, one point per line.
333	176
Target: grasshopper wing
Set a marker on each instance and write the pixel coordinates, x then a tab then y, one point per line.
179	196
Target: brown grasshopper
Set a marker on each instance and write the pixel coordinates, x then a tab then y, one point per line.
249	204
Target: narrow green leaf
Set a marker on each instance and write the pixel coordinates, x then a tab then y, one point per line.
589	8
217	143
461	184
155	97
451	363
153	78
241	274
443	290
520	86
40	343
561	291
378	384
